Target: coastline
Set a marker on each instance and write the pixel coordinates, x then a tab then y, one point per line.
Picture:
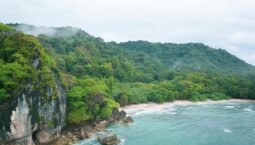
132	109
71	134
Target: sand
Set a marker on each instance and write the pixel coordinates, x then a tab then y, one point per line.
131	109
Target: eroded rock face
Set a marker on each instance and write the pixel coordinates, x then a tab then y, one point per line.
20	119
21	126
36	118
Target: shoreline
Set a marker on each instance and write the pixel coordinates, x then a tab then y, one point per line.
70	135
150	106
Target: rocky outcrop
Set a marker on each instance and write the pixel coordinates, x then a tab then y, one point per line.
121	117
86	130
118	115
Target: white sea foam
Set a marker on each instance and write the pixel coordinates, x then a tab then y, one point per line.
248	109
160	112
143	112
226	130
166	113
122	141
229	107
172	113
170	110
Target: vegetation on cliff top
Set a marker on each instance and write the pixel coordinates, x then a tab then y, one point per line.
23	61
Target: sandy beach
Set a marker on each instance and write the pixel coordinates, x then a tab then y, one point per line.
131	109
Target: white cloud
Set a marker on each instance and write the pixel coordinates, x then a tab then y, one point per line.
227	24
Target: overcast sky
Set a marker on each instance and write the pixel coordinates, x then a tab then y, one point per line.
227	24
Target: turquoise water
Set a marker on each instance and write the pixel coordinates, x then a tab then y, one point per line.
216	124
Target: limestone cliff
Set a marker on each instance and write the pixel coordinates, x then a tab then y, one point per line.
32	98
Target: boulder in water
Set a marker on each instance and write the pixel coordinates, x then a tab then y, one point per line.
128	120
110	139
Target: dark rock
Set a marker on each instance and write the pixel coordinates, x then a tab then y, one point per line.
121	115
128	120
110	139
115	114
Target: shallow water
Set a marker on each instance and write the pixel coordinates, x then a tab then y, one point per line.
216	124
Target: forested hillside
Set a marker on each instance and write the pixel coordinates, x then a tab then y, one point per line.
100	76
191	56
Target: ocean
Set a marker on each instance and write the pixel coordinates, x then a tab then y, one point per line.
207	124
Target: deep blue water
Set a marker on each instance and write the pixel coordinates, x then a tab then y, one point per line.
215	124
